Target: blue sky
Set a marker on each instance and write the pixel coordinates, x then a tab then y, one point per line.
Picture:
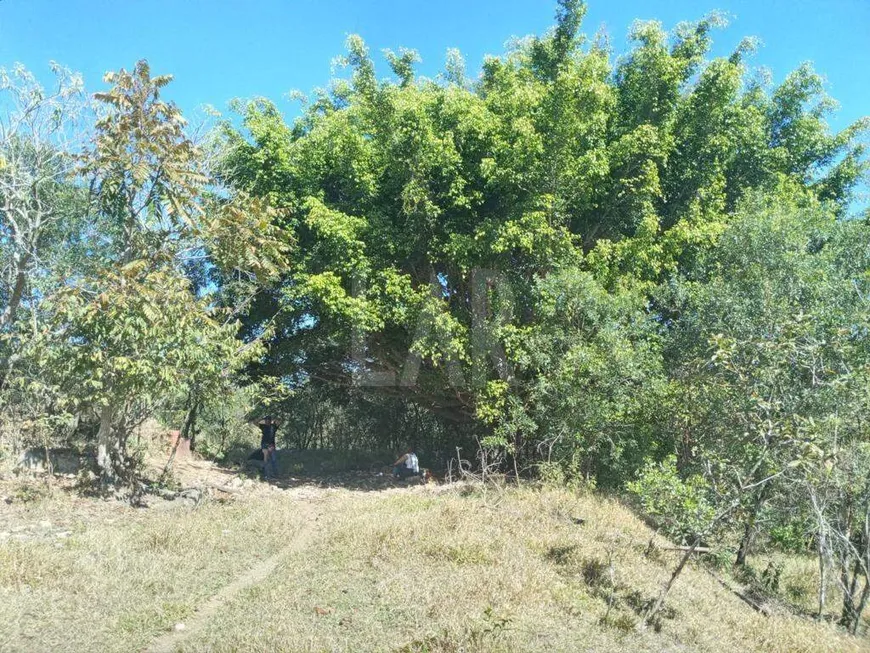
220	49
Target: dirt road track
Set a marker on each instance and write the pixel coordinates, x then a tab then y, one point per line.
257	574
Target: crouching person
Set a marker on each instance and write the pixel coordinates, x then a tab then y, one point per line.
407	465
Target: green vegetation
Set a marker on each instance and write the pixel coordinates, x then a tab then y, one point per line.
635	273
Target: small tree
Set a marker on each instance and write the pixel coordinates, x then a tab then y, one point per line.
38	134
129	331
697	507
128	348
756	347
838	487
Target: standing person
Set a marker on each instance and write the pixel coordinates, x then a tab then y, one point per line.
407	465
268	428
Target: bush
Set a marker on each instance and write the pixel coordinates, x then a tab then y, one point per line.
680	506
790	537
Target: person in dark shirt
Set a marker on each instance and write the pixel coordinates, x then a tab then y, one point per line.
268	428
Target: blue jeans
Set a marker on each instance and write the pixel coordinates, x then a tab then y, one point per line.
400	471
270	462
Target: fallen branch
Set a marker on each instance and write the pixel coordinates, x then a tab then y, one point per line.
697	549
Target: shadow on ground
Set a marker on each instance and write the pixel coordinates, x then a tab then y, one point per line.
361	471
192	477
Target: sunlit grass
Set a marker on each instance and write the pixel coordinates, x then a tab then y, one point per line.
423	569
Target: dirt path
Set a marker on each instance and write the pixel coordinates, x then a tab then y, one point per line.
172	640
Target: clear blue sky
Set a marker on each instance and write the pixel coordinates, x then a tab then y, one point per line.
220	49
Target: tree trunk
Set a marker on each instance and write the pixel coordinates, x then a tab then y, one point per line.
106	444
684	458
660	601
518	445
745	542
7	317
749	526
847	614
823	581
858	610
189	420
189	429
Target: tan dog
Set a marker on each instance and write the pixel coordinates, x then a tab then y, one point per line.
424	478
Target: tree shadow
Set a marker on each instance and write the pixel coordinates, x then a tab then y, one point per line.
364	471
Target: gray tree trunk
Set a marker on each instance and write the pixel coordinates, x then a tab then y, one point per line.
107	444
823	577
9	312
660	601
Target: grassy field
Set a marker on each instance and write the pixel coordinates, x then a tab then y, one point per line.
449	568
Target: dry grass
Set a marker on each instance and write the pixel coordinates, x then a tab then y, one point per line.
123	575
408	570
797	585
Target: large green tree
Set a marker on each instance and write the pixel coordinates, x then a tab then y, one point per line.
428	214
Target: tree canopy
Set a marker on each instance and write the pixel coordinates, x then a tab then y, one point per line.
436	222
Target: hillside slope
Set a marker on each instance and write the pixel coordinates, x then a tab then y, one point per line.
413	569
